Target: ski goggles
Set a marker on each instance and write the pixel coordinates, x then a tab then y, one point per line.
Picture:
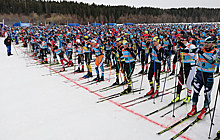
208	42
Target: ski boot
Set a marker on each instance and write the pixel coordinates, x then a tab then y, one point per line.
113	67
87	75
82	70
150	92
172	73
202	114
155	94
193	111
145	72
63	69
116	82
163	70
176	99
128	90
168	70
141	72
101	79
187	99
78	70
97	78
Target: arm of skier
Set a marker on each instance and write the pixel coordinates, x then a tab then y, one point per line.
210	59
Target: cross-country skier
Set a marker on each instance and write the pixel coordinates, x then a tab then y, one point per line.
204	75
156	52
187	68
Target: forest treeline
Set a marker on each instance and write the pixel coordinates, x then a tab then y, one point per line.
60	12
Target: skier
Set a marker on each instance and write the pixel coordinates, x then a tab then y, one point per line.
144	53
156	52
116	51
43	51
204	75
87	54
99	60
129	65
167	44
59	52
80	56
187	69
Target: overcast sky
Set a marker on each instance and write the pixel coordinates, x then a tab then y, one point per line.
157	3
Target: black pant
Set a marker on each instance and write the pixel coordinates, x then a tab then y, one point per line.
144	58
156	70
87	58
128	70
80	58
70	53
43	53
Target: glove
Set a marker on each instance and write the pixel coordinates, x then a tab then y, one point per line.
181	44
117	55
199	51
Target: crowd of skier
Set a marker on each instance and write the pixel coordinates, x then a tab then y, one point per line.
193	48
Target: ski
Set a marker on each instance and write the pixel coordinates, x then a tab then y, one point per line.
168	79
114	95
146	99
118	95
112	87
174	109
162	108
177	123
188	126
138	98
216	75
143	97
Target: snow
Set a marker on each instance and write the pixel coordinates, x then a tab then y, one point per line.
36	105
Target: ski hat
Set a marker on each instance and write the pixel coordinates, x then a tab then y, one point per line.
118	40
184	37
93	41
125	43
156	39
209	40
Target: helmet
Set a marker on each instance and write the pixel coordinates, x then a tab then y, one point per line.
156	39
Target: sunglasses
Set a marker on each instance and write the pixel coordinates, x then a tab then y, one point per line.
208	42
183	39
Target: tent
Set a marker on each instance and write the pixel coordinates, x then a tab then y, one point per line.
73	24
111	24
16	24
25	25
97	24
129	24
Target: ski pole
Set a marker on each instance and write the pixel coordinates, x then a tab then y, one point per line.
164	85
130	75
110	66
117	61
143	69
154	80
175	85
214	110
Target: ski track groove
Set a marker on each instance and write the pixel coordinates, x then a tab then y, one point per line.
117	104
